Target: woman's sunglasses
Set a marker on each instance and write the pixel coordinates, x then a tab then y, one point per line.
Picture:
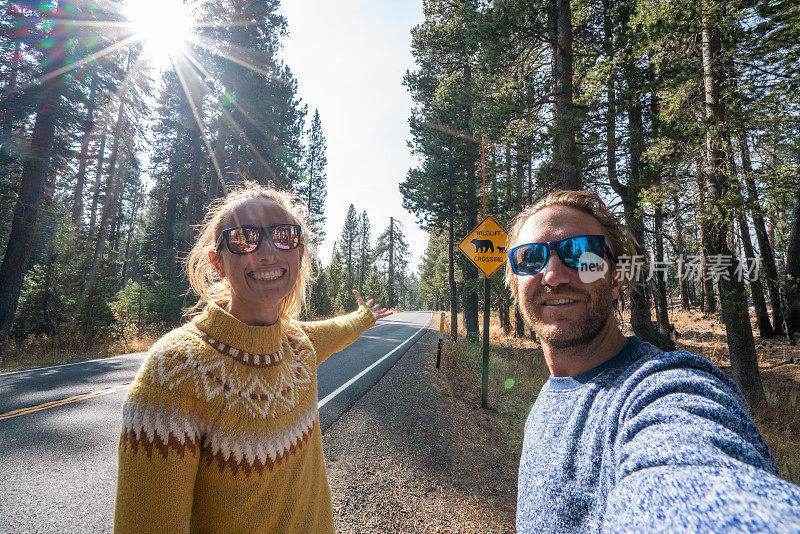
247	239
579	252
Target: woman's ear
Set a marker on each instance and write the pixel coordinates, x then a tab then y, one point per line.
216	261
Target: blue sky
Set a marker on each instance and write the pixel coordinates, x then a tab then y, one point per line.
349	58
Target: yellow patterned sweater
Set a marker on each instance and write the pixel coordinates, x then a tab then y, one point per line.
221	428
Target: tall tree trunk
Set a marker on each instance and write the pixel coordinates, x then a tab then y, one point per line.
708	301
611	97
641	320
109	202
390	293
131	229
756	289
793	263
451	280
519	323
470	271
31	191
565	154
504	310
764	247
215	189
98	182
733	300
660	297
683	282
6	123
88	129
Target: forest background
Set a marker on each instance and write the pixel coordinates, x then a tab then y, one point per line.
683	115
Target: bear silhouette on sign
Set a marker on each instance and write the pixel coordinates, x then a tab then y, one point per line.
483	245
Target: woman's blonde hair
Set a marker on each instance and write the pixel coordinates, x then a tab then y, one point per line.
202	275
623	244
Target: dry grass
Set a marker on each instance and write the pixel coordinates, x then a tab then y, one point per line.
521	360
43	350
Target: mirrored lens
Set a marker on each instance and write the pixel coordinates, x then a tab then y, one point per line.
243	240
584	252
285	236
530	258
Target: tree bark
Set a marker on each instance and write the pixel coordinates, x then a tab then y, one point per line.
519	323
764	246
744	361
31	191
708	301
660	297
451	280
215	189
641	320
611	97
756	289
109	202
470	271
131	229
390	292
683	282
88	130
565	154
793	264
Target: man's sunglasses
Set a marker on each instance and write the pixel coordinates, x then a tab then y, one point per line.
247	239
579	252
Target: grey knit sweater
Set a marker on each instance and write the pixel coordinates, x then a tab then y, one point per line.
649	441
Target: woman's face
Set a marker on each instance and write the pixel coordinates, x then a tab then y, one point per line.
260	279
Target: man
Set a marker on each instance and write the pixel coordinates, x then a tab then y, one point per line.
623	436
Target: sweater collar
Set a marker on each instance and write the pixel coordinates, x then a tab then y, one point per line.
224	327
629	353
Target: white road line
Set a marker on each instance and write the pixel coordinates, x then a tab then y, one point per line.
386	320
347	384
73	363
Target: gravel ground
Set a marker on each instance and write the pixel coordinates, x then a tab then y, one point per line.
407	457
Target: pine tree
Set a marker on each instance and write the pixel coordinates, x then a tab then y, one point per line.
364	261
391	260
348	247
312	186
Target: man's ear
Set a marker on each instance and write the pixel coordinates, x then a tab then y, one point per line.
216	261
616	283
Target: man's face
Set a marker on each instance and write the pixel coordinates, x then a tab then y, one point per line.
564	310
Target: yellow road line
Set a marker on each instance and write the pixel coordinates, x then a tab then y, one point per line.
53	404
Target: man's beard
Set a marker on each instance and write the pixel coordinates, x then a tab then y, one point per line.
599	308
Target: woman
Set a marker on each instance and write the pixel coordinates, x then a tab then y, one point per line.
221	427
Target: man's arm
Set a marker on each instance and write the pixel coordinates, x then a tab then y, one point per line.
689	457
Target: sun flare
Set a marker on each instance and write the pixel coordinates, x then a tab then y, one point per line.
163	26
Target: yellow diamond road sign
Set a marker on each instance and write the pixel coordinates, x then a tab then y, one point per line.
485	246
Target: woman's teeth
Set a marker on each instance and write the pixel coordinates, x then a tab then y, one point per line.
267	275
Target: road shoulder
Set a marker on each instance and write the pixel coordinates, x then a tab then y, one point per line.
407	457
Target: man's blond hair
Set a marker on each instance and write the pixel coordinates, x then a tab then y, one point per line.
619	237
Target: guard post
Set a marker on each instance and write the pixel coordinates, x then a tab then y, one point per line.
441	337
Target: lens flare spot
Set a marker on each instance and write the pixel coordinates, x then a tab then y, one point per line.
509	383
163	26
229	98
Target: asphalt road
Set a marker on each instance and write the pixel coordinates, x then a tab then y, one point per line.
59	427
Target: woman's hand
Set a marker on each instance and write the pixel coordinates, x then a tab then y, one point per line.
376	309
